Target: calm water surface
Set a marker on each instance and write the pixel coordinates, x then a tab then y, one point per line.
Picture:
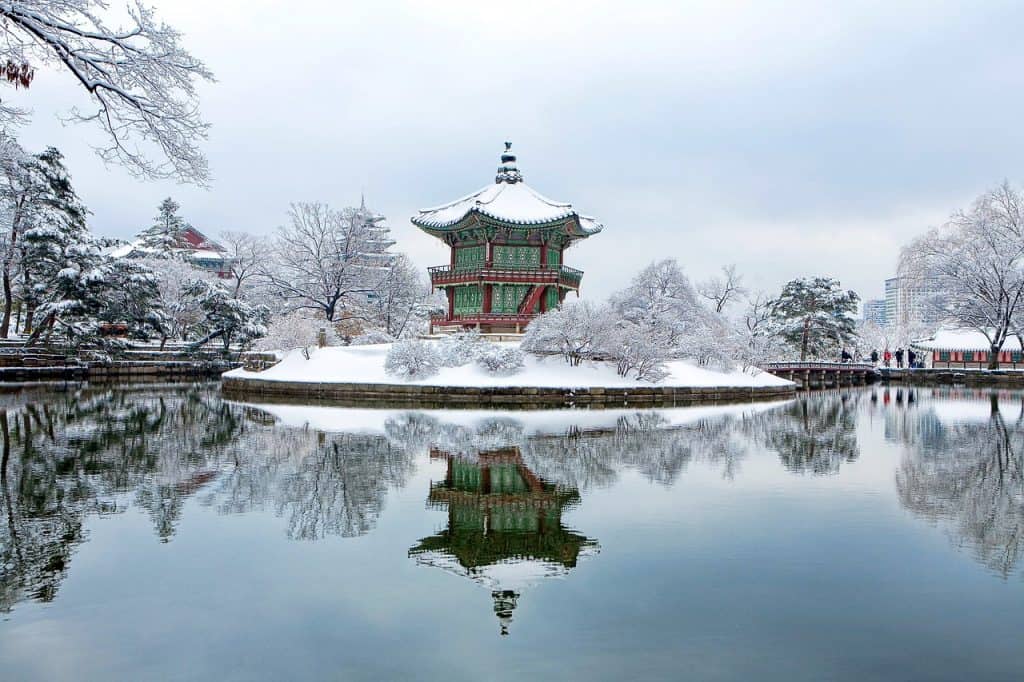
159	532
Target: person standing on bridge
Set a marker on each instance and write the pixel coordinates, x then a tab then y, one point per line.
845	356
874	357
911	358
899	358
888	357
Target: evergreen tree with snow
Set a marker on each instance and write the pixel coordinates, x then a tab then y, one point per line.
60	265
161	239
232	320
35	195
815	315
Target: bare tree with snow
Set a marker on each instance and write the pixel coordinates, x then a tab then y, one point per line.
400	304
721	290
140	80
247	256
661	299
976	261
320	262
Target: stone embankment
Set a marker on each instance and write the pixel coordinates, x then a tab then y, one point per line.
946	377
406	395
19	364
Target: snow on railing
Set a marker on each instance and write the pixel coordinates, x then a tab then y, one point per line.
813	365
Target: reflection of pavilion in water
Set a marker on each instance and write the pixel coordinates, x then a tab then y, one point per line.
504	526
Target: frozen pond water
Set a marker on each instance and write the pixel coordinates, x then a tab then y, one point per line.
158	532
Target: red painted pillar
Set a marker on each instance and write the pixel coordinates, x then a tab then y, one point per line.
450	291
543	255
488	294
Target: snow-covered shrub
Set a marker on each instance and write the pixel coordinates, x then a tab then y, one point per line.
371	337
456	350
636	351
501	360
297	329
412	359
661	300
577	332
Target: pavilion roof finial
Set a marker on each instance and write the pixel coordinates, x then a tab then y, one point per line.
507	171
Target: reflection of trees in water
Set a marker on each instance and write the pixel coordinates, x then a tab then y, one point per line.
97	451
971	476
83	452
586	457
815	434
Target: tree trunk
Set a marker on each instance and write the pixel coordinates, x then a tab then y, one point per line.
29	308
993	356
804	339
47	323
5	326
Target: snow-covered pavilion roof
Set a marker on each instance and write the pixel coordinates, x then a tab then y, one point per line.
962	340
509	200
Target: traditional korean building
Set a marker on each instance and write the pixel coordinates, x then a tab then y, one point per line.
189	244
508	246
505	527
966	349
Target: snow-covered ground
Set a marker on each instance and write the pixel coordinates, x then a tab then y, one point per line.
365	365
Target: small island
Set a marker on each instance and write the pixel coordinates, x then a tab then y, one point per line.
506	276
357	374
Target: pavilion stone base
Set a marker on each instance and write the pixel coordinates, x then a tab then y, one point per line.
496	337
513	328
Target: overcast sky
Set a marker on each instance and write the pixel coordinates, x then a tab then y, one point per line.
792	139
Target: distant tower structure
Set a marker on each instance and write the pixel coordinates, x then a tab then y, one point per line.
375	235
508	246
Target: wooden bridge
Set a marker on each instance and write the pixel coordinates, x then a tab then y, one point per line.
824	374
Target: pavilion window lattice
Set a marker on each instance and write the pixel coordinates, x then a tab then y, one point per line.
516	257
470	257
551	296
507	298
468	300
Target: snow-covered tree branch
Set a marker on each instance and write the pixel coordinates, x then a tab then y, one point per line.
722	290
140	79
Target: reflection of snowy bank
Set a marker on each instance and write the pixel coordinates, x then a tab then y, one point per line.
364	365
325	418
962	411
571	447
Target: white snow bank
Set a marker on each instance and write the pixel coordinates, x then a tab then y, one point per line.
365	365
